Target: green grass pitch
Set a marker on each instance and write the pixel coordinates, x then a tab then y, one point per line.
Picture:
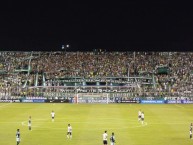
164	124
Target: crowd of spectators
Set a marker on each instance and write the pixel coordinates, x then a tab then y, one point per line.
19	70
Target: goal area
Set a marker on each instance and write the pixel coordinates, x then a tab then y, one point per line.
92	98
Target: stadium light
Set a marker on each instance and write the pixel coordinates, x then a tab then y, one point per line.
65	46
62	46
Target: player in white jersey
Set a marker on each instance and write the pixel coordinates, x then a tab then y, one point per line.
105	135
18	137
29	123
53	115
142	117
139	115
69	131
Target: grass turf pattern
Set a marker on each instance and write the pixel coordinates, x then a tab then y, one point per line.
164	124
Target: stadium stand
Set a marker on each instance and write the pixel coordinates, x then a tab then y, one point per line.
34	74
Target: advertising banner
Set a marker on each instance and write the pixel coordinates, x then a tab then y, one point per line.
128	101
56	101
27	101
33	101
179	101
187	102
38	101
9	101
173	101
152	101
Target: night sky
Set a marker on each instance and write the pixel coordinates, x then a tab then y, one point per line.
132	25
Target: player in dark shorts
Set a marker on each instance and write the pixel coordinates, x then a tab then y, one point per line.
105	138
142	117
29	123
52	115
191	131
139	115
69	131
17	136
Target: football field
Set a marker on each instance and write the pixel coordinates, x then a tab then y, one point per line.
164	124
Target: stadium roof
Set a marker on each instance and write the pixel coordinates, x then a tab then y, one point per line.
156	26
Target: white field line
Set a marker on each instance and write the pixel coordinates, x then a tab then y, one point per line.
5	105
131	125
179	106
24	123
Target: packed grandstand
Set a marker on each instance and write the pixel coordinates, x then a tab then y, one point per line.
61	74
